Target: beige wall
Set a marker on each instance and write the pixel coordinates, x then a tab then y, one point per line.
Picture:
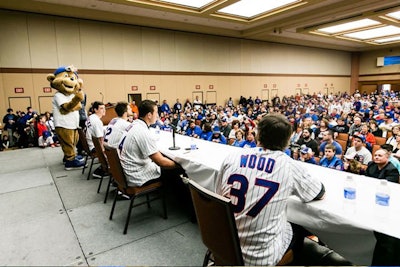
370	72
123	56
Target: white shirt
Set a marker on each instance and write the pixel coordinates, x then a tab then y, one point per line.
115	130
136	149
67	121
270	178
364	156
94	127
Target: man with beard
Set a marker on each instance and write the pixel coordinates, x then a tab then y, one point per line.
308	141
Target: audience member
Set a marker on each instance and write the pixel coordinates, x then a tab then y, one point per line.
330	160
250	140
217	136
359	151
307	155
308	141
327	139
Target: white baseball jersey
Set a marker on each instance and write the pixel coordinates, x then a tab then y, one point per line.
259	183
67	121
94	127
136	148
115	130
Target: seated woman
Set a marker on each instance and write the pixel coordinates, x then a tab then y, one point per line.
250	140
239	134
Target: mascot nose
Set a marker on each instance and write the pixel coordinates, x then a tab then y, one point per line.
72	78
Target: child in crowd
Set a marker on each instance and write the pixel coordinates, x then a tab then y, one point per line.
217	136
250	140
45	138
330	160
239	134
4	143
306	155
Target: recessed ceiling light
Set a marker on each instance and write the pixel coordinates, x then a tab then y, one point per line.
189	3
374	33
387	40
349	26
395	15
251	8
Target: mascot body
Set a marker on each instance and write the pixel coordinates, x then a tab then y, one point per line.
66	105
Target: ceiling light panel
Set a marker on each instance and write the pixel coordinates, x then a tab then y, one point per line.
349	26
190	3
387	40
252	8
374	33
395	15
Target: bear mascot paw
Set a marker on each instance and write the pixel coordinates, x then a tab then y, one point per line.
66	105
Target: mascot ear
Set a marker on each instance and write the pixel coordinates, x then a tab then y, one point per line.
51	77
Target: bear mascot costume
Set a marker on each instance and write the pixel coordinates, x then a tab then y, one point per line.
66	105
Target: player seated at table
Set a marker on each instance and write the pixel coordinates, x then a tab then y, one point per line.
306	155
259	182
330	160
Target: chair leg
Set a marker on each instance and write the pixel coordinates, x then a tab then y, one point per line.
129	216
90	169
84	166
108	189
113	206
101	181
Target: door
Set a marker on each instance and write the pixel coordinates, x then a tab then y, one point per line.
211	98
135	97
154	97
264	94
45	104
20	103
199	94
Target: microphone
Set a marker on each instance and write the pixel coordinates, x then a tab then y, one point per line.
173	147
102	97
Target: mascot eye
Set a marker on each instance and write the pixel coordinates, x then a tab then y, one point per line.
66	75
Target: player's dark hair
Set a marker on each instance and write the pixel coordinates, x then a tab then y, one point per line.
147	106
121	108
97	104
274	131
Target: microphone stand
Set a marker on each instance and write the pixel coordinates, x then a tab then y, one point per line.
173	147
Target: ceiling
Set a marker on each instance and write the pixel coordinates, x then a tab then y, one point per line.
290	26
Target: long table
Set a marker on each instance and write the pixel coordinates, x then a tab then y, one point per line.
345	227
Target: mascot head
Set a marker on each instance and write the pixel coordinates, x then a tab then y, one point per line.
65	80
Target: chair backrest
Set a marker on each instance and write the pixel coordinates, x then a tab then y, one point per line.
115	167
217	225
380	140
343	136
374	149
82	138
100	154
343	144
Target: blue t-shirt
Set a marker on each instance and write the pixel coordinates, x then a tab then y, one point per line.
337	146
334	163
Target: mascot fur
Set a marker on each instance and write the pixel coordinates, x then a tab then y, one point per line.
66	105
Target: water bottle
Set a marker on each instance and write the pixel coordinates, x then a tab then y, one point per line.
157	133
350	189
193	144
382	195
349	192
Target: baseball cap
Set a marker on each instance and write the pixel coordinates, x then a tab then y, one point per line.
306	150
350	156
223	119
216	130
362	138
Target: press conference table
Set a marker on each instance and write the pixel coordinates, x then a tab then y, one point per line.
347	229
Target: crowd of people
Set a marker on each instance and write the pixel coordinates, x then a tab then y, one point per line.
304	128
27	129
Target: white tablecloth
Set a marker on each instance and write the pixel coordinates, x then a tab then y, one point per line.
346	228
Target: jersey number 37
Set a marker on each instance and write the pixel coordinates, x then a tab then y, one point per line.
240	193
